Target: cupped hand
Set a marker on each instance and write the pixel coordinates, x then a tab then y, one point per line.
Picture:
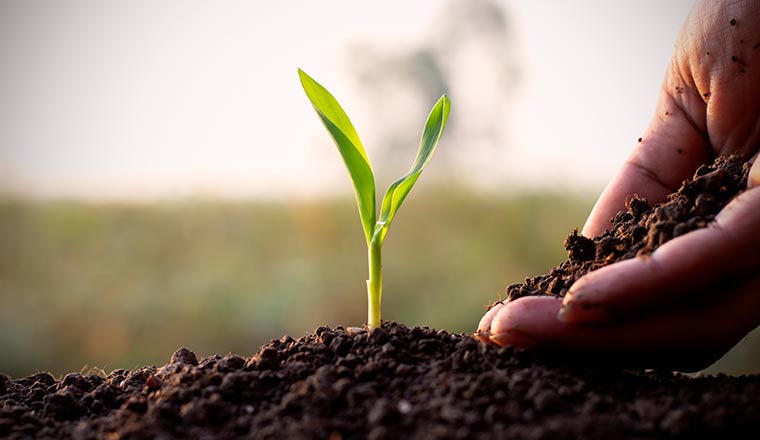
691	300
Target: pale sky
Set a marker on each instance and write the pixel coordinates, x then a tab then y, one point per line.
146	99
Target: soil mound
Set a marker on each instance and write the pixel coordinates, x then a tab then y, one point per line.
396	382
400	382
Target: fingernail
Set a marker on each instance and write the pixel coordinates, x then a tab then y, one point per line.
753	179
483	335
574	312
574	295
514	338
562	312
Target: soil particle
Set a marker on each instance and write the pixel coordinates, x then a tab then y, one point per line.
184	356
579	248
76	381
4	381
63	405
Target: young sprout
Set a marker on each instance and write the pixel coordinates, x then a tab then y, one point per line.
350	147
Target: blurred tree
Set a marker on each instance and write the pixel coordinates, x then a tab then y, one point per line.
468	52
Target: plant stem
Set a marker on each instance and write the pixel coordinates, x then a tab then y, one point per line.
374	284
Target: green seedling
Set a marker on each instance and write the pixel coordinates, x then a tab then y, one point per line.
350	147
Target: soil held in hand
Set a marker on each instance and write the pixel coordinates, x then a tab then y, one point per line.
398	382
641	229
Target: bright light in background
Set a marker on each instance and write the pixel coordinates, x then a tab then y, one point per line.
594	72
133	100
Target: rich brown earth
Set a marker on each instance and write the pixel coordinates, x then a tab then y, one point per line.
642	229
393	383
398	382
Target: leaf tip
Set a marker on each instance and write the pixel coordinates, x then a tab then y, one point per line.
446	102
302	75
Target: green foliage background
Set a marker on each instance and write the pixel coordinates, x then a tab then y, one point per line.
121	286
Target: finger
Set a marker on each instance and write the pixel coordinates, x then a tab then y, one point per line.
753	179
671	149
516	322
725	250
483	332
683	338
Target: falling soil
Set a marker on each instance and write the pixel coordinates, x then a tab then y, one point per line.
399	382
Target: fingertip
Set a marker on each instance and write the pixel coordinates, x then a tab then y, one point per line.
595	226
593	287
484	326
584	313
753	179
580	304
607	292
526	322
514	338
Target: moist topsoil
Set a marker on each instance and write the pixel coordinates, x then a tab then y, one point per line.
399	382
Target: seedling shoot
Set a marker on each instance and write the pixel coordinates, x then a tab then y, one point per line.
350	147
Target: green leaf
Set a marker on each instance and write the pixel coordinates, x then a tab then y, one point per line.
398	191
350	147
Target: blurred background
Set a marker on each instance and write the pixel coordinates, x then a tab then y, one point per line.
164	181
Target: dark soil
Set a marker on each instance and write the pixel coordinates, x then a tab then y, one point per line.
397	382
643	228
393	383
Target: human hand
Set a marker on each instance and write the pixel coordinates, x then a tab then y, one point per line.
642	311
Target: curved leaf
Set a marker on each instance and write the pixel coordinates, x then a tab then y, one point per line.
350	147
399	189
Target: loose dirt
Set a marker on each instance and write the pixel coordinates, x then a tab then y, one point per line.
400	382
642	228
394	383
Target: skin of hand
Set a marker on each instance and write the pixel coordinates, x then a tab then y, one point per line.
686	304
